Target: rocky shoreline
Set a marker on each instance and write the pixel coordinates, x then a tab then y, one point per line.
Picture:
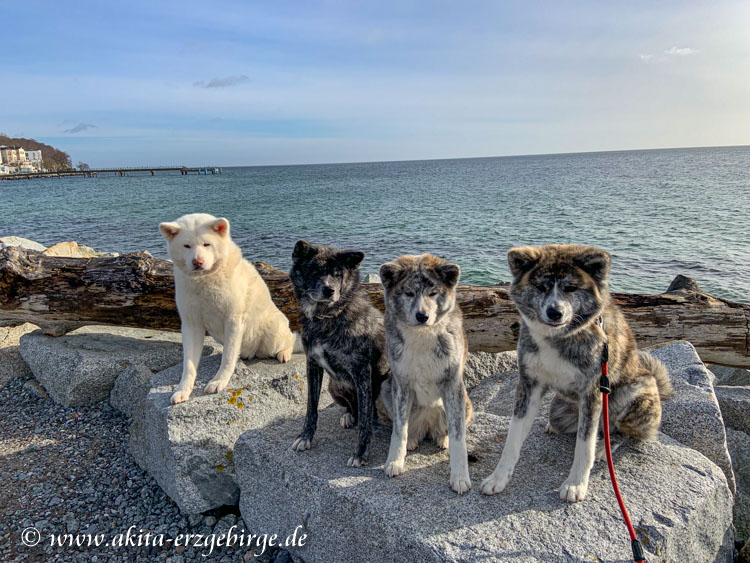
92	446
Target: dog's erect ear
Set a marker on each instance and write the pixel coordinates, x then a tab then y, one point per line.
390	273
220	226
169	230
522	259
594	262
350	259
449	274
303	249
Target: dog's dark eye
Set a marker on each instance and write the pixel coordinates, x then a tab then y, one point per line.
433	294
206	244
569	288
186	245
409	293
541	287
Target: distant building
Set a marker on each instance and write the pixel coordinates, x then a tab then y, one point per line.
4	169
13	156
35	159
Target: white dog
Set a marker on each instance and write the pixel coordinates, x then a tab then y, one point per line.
219	292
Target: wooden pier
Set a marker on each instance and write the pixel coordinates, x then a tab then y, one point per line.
134	170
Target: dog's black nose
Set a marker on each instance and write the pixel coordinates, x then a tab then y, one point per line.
422	317
327	291
553	314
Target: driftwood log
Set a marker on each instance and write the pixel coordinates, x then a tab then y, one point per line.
60	294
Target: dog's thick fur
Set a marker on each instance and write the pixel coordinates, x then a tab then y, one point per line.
219	292
426	348
561	292
343	334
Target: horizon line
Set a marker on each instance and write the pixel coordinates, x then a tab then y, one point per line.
485	157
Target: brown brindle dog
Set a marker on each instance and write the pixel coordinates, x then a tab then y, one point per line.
567	314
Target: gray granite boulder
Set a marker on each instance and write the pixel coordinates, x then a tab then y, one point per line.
481	365
497	395
81	367
188	448
692	416
130	390
678	500
726	375
11	363
24	243
739	448
735	406
134	383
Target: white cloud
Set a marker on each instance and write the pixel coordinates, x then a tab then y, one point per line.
222	82
80	127
680	51
666	55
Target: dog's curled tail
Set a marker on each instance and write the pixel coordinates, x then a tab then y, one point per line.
298	347
656	367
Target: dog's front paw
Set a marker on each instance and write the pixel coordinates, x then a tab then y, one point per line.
460	483
215	386
284	356
443	442
496	482
412	444
301	444
356	461
347	420
549	429
572	491
393	468
180	396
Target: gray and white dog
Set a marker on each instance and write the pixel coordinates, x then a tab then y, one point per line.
567	315
343	334
426	349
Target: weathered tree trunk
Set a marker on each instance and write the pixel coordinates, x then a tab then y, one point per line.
60	294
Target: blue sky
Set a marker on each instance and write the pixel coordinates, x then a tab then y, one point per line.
233	83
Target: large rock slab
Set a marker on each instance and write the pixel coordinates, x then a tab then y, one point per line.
11	363
81	367
497	395
726	375
130	390
24	243
71	249
692	416
735	406
739	448
133	384
678	500
481	365
188	448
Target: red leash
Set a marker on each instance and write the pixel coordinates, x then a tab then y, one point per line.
604	387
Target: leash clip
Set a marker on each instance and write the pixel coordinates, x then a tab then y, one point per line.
637	550
604	380
604	384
